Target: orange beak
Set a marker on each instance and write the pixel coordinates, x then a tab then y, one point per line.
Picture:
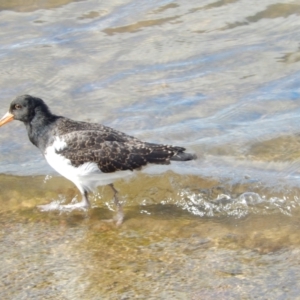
6	118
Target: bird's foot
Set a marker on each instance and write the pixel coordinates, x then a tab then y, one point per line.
57	206
117	218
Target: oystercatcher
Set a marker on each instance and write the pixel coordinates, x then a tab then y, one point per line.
88	154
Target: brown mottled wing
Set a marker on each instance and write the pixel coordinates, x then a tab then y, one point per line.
111	155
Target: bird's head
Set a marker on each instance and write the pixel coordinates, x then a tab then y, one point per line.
24	108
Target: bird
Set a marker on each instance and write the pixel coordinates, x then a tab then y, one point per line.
88	154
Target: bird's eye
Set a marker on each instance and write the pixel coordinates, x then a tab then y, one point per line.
18	106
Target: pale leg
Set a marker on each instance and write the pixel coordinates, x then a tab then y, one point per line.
119	216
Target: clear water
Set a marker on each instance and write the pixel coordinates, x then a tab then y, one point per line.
218	77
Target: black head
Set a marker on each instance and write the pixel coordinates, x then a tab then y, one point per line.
24	108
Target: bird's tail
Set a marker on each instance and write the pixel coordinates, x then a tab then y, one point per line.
183	156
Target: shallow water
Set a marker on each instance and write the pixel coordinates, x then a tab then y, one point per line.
218	77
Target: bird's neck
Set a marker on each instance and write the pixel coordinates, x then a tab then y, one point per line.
39	128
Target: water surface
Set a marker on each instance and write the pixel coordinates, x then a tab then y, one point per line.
218	77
